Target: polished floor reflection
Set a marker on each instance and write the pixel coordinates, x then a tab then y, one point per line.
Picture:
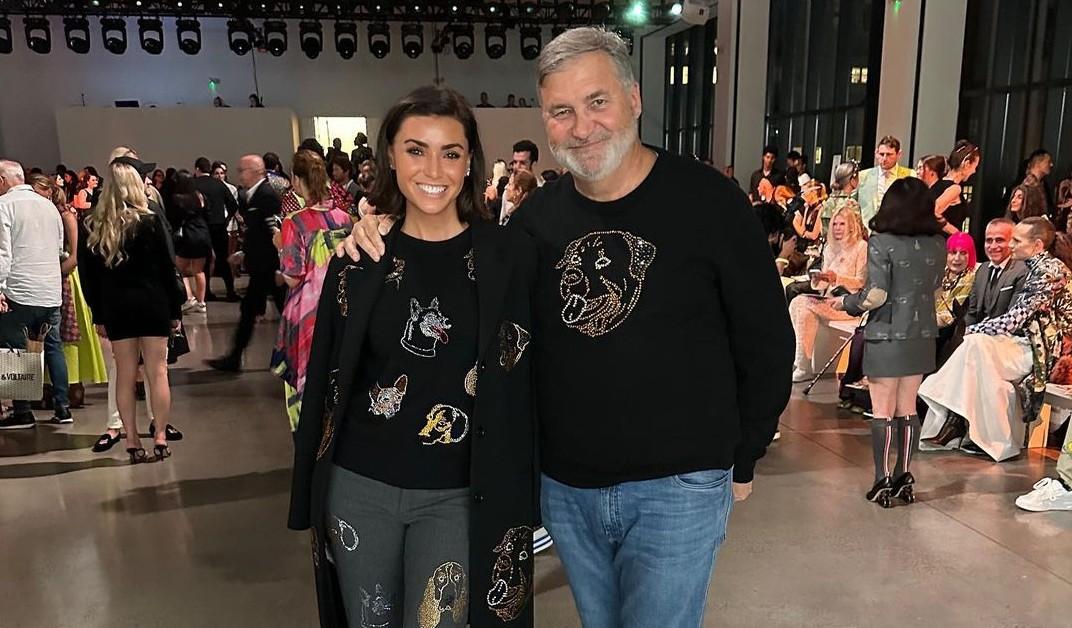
200	540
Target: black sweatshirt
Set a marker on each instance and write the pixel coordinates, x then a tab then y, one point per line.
663	341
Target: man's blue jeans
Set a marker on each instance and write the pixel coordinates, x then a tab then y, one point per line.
640	554
13	331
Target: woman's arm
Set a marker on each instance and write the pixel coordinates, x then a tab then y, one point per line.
876	292
948	198
81	200
70	235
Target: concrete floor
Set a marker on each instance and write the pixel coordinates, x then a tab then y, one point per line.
200	540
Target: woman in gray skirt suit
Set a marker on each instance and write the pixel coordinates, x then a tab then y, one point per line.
905	261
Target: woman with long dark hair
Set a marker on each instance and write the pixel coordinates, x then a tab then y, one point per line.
950	204
414	450
904	267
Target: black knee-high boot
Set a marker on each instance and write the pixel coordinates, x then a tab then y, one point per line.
907	433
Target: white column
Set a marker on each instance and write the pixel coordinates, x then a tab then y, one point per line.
896	92
743	34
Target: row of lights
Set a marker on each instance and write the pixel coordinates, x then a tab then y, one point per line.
243	36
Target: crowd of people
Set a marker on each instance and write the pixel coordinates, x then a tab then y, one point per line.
968	347
410	282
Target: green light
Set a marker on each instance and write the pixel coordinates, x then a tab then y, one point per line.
675	9
637	13
896	6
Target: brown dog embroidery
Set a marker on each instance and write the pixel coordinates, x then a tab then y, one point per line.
513	339
446	425
602	278
511	586
447	592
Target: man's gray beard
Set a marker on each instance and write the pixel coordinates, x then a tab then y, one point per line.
617	147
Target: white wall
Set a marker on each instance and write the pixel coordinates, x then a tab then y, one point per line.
746	50
939	77
34	86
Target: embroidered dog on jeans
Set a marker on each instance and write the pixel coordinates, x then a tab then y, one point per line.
426	328
445	425
513	339
447	592
376	609
387	400
602	277
511	586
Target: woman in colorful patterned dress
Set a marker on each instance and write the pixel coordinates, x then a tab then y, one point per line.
306	245
81	345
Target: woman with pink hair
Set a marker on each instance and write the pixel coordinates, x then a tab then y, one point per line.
960	263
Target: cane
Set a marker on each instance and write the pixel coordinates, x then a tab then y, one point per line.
836	356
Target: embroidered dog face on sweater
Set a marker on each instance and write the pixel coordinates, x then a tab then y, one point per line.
602	277
446	425
386	401
510	583
426	328
513	340
447	592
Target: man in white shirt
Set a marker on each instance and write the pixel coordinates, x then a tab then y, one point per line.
875	181
31	247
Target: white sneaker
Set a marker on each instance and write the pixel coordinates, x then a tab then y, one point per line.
189	306
202	307
541	540
1048	494
800	376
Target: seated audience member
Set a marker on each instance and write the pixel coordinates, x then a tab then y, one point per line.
979	382
846	180
996	284
806	212
957	282
1015	210
522	184
1053	493
845	265
782	240
931	168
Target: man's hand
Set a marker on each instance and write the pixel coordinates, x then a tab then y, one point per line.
366	236
176	326
741	491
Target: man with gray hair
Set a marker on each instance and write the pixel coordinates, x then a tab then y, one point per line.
662	362
31	248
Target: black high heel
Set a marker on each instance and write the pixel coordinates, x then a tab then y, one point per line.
902	488
881	494
161	452
137	455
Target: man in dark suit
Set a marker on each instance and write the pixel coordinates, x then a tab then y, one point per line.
997	281
221	207
261	213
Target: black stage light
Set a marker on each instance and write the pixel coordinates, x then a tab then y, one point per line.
601	12
379	39
151	35
114	33
275	37
38	34
494	9
412	40
311	35
189	35
531	42
76	33
565	10
627	35
495	41
5	35
240	36
464	42
346	39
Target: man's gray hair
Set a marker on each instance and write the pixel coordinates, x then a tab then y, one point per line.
12	171
578	41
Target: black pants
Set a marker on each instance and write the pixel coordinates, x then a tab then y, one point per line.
261	286
220	246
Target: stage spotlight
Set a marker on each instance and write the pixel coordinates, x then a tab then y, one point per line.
531	42
5	35
627	35
275	37
38	34
151	35
463	41
379	39
412	40
114	33
189	34
240	36
495	41
346	39
311	35
493	9
76	34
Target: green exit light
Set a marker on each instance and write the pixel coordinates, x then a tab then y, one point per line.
897	6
